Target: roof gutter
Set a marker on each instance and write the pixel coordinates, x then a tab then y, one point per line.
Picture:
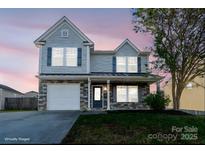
85	77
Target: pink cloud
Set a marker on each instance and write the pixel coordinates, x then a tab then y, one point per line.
112	32
107	42
9	47
26	24
20	81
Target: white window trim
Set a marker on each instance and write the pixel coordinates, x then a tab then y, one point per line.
120	86
65	51
136	64
127	94
127	64
52	58
64	58
121	65
128	88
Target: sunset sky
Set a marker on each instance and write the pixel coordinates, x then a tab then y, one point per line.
107	28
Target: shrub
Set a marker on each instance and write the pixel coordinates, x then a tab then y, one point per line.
157	101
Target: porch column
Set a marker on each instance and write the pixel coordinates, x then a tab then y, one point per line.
89	83
108	94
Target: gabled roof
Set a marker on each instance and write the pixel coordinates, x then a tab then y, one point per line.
41	39
144	53
31	92
4	87
129	42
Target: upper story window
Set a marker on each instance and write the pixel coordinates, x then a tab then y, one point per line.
71	56
64	33
64	56
121	64
57	57
132	64
126	64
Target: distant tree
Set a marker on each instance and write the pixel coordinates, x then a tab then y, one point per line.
179	43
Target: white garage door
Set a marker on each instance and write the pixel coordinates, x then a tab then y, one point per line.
63	97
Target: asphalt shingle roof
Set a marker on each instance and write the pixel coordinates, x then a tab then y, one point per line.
9	88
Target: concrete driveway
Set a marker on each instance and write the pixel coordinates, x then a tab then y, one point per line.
46	127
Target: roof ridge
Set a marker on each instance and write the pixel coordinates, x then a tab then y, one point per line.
129	42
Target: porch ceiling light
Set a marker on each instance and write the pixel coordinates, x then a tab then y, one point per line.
105	88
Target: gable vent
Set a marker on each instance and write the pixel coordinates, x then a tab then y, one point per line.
64	33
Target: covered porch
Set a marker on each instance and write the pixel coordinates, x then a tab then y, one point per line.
117	93
97	91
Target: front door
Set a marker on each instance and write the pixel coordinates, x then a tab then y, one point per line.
97	97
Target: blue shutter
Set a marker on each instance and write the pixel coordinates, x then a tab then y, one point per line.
114	64
49	56
79	56
139	64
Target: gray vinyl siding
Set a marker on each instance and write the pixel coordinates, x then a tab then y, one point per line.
55	40
98	62
126	50
101	63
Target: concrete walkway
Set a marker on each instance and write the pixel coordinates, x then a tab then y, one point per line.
47	127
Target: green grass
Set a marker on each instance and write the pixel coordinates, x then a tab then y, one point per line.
134	128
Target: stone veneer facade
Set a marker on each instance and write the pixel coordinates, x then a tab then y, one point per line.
143	90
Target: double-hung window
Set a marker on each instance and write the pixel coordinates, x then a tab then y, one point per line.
127	93
64	56
126	64
132	93
121	64
132	64
121	94
57	57
71	56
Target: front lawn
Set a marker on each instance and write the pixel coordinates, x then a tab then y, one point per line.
140	127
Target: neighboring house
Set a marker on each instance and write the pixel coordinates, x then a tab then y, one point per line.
31	94
193	96
5	92
74	76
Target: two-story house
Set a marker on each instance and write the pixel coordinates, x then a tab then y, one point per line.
74	76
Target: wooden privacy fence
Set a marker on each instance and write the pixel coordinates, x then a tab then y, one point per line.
21	103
